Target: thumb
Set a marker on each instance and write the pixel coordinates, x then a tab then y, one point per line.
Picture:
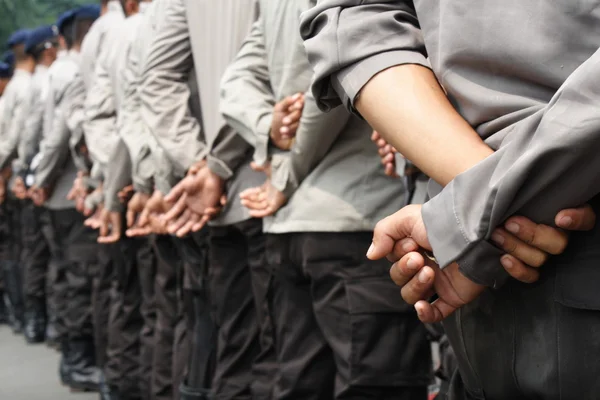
258	167
390	230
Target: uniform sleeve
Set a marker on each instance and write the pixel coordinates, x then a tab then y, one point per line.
132	130
75	115
251	114
54	146
165	93
100	113
16	126
547	162
350	41
316	134
228	152
118	176
29	144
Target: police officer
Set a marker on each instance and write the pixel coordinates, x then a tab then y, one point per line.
5	75
42	45
54	177
16	98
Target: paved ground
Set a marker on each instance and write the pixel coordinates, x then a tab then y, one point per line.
30	372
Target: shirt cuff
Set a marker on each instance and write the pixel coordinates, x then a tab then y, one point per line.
261	148
282	178
219	167
479	261
349	81
94	200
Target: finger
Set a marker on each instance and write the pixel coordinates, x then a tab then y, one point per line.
288	132
518	270
257	167
392	229
139	231
420	287
404	270
187	228
104	230
540	236
375	136
174	226
201	224
529	254
437	311
292	118
255	205
402	248
130	216
578	219
250	193
112	238
175	193
284	104
381	143
176	211
267	212
390	170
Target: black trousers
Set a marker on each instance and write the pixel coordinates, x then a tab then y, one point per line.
201	331
10	254
146	276
238	284
538	341
123	369
78	246
342	328
103	282
169	272
36	254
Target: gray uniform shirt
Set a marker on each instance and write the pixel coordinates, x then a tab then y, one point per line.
16	107
522	73
94	40
169	71
56	168
333	177
34	124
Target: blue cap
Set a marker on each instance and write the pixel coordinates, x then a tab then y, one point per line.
89	11
64	20
8	57
40	37
5	70
18	37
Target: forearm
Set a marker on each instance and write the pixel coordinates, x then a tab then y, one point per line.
409	108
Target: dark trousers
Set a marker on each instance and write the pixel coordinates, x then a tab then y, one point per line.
238	281
201	330
123	365
342	328
10	254
169	269
146	275
36	254
56	281
103	281
80	250
538	341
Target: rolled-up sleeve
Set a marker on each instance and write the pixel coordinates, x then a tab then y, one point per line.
350	41
164	90
548	162
250	114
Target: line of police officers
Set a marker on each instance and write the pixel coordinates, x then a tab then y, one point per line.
185	223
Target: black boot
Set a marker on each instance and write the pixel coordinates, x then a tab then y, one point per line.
188	393
84	375
64	368
107	392
35	321
13	296
3	316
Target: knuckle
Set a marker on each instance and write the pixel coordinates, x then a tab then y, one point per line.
538	259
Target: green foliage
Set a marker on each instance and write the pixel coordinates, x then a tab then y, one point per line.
16	14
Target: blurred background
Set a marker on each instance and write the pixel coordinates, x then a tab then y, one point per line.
16	14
